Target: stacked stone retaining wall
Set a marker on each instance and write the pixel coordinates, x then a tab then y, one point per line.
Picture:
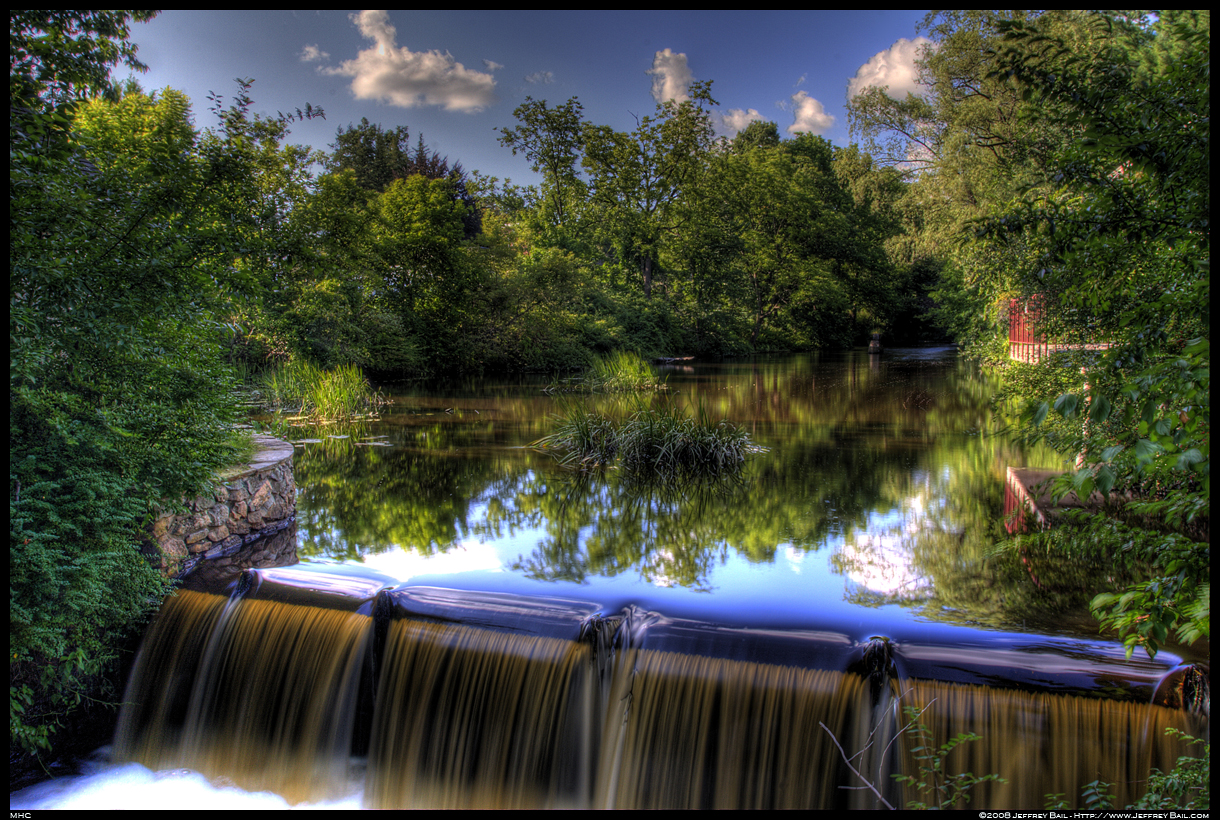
248	503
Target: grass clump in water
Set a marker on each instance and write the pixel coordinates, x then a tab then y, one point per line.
583	439
654	443
321	395
618	372
665	442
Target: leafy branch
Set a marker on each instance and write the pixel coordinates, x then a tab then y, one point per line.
948	790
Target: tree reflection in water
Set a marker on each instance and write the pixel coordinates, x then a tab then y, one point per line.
892	468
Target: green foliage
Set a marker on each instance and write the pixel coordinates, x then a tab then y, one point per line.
552	139
937	788
129	233
638	180
377	157
1122	255
742	256
57	58
758	134
1187	786
661	443
424	276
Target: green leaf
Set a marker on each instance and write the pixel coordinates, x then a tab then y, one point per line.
1105	479
1196	346
1146	450
1189	459
1040	413
1100	409
1066	405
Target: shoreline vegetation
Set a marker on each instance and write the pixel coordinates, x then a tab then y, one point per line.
302	392
618	372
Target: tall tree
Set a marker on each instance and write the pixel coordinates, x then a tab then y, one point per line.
638	179
379	156
758	134
967	144
424	277
791	217
552	139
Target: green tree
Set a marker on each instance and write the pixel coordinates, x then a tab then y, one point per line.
967	149
378	156
128	234
1122	219
424	275
789	235
889	288
552	139
758	134
56	58
638	179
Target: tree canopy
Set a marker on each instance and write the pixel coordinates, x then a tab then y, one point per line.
130	232
1121	224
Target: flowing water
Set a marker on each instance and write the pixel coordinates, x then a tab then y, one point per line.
470	624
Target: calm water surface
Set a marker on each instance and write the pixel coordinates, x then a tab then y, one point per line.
876	507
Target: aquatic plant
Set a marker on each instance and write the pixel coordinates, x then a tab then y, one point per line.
322	395
618	372
664	441
657	442
582	439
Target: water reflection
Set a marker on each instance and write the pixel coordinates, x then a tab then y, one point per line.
882	488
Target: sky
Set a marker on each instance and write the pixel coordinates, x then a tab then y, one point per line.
456	76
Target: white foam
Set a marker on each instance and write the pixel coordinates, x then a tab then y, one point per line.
132	786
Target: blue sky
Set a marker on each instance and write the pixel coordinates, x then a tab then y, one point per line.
456	76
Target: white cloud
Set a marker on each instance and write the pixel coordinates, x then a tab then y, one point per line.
312	54
406	78
492	65
894	67
735	119
544	77
809	115
671	77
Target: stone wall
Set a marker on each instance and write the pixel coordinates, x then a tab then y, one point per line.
248	503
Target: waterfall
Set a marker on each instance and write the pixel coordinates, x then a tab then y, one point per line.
440	698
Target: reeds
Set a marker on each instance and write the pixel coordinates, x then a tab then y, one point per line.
659	442
321	395
618	372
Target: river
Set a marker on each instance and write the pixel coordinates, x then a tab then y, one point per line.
873	509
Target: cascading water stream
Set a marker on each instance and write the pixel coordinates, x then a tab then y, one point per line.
464	700
266	699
